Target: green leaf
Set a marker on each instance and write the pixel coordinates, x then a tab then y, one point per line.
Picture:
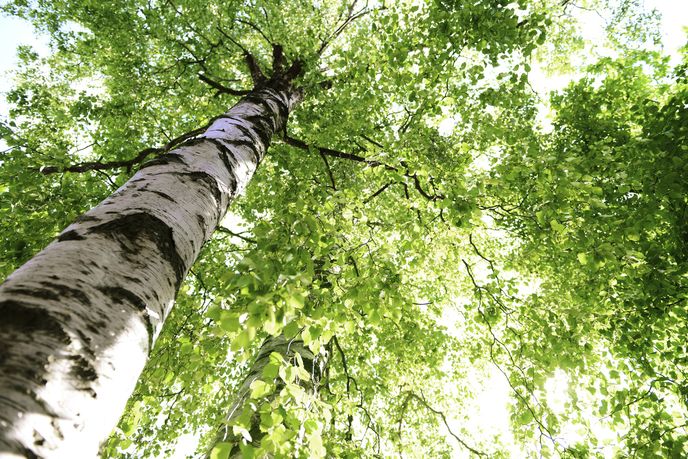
248	451
556	226
229	322
291	329
221	451
270	371
260	389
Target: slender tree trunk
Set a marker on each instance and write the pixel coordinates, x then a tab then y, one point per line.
315	365
78	320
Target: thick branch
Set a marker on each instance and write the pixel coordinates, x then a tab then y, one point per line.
256	73
377	193
329	170
277	58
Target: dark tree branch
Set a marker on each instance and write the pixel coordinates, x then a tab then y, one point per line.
230	38
351	17
221	89
254	27
277	59
294	70
377	193
446	424
335	154
225	230
345	366
127	163
361	159
377	144
329	170
257	75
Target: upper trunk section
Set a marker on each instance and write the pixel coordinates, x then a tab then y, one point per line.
77	320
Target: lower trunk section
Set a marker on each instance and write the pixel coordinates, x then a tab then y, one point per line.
78	320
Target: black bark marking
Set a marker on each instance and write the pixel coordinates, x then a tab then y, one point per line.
250	144
161	194
202	223
83	370
128	229
206	178
262	127
34	292
193	142
169	158
63	290
121	295
132	279
86	341
86	218
262	99
23	320
70	235
255	138
230	161
258	100
29	454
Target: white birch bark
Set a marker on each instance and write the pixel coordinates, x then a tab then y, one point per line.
78	320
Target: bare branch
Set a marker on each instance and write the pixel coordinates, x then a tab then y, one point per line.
351	17
334	153
361	159
277	59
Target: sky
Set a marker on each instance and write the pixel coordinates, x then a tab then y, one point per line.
492	401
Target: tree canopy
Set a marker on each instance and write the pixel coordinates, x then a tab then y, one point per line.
417	222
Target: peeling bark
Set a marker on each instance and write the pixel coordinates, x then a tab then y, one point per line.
77	321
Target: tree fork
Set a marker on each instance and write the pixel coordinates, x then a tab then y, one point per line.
79	318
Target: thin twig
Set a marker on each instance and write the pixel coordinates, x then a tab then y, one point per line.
254	27
444	420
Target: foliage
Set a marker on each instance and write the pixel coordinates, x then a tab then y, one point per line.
425	264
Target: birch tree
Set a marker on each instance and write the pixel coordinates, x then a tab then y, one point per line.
74	343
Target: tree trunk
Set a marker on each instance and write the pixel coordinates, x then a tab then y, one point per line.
78	320
315	365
